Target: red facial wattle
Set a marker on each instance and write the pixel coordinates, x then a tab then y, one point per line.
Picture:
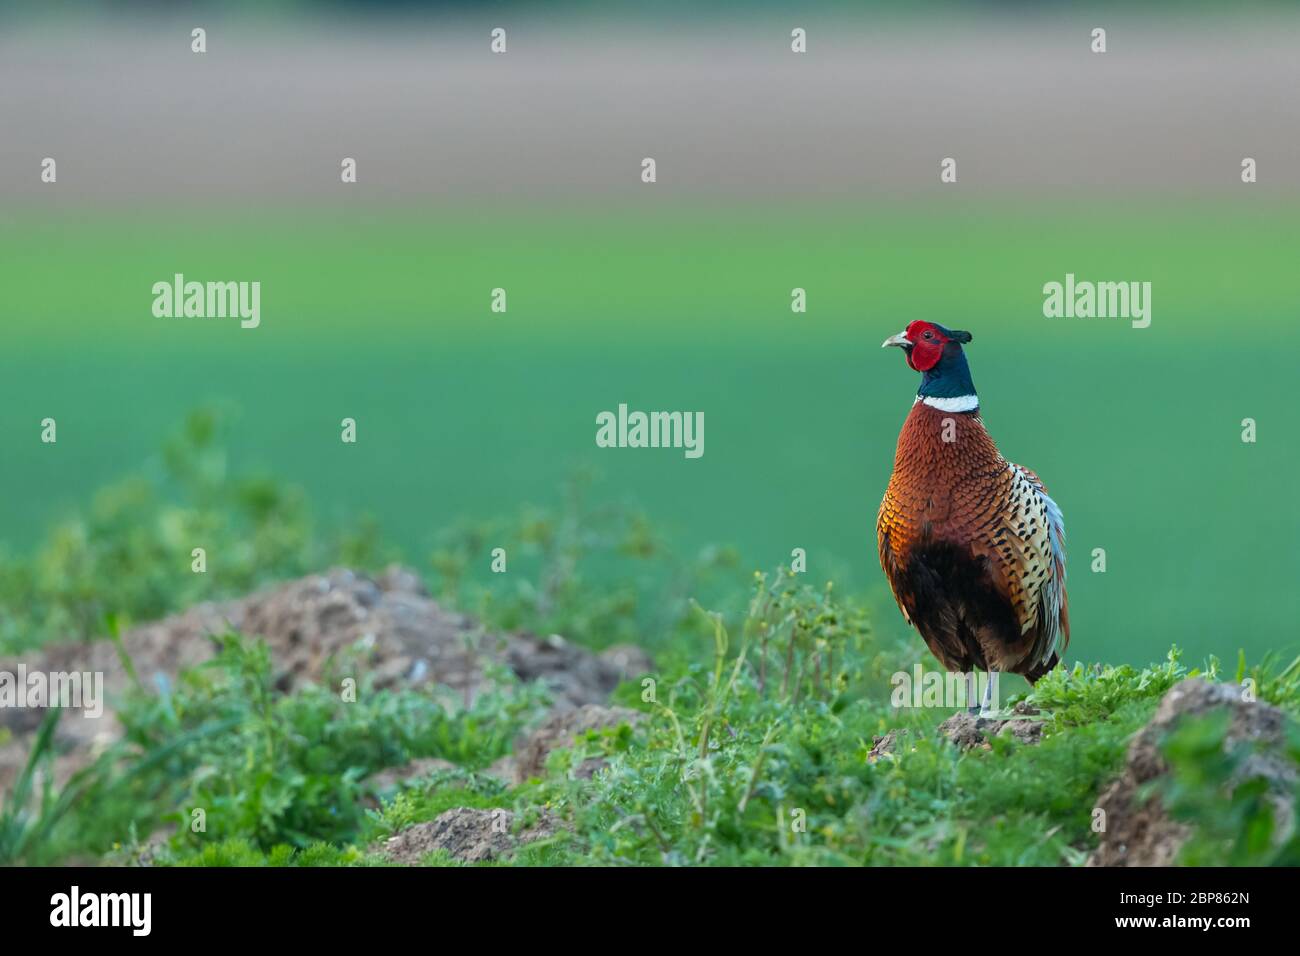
927	346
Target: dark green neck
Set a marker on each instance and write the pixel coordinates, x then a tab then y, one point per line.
950	377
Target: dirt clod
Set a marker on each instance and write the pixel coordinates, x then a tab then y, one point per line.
1140	832
558	732
965	730
468	835
317	628
887	744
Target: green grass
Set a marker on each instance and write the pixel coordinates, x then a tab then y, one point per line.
758	758
753	747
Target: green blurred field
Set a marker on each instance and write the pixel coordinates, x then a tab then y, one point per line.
383	316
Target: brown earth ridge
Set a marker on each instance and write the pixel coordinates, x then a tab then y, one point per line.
386	625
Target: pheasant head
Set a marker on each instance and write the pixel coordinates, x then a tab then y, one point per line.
936	352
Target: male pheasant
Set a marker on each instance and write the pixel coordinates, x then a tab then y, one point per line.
973	547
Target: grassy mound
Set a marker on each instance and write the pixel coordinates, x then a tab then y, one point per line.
754	744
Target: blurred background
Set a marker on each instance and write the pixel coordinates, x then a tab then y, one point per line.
775	171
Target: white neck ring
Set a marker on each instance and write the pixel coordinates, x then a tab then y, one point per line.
961	403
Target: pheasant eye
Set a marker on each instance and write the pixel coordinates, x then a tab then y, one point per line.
929	335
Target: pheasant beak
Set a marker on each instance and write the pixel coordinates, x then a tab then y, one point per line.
900	340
